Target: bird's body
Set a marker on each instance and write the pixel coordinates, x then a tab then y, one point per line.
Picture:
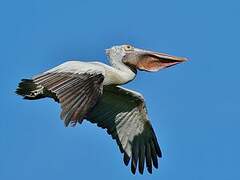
112	75
90	90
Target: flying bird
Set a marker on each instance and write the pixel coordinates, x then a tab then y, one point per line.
91	91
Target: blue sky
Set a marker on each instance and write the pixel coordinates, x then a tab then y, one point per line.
194	107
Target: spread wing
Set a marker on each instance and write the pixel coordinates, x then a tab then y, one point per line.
123	113
78	92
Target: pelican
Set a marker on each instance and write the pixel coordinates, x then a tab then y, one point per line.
91	91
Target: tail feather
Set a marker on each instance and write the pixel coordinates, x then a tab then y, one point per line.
30	90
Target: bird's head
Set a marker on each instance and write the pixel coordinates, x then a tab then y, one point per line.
142	59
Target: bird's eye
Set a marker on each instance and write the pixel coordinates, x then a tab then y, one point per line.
128	48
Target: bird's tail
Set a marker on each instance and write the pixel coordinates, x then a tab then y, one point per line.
29	90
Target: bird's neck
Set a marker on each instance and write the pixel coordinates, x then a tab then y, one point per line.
123	73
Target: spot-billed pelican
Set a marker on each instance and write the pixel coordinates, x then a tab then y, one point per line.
91	91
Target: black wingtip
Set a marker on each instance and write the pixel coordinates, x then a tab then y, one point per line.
133	169
141	171
159	154
155	163
25	86
141	167
66	123
126	159
149	170
17	91
133	165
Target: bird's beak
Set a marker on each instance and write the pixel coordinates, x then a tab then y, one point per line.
168	60
154	61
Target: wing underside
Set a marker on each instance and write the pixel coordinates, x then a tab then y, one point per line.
123	114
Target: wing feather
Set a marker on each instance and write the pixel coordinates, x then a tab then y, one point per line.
123	113
141	156
148	157
77	92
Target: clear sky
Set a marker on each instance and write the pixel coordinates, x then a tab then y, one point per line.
194	107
